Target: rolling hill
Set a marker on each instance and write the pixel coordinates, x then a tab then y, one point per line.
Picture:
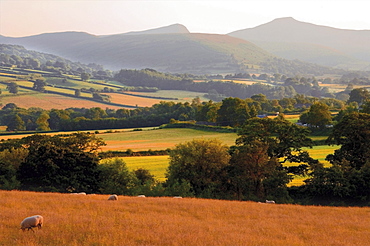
169	49
171	52
292	39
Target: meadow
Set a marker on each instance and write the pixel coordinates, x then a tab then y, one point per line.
76	220
156	165
158	139
52	101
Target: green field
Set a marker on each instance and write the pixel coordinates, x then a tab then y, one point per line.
159	139
157	165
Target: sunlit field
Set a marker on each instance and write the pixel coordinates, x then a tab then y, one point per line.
159	139
52	101
156	165
76	220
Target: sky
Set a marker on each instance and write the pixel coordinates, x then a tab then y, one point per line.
19	18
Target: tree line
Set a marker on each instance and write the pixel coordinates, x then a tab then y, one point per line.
229	112
252	169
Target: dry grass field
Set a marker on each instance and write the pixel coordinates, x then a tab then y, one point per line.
132	100
76	220
50	101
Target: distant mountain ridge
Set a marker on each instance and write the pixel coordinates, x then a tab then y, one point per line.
175	28
292	39
174	49
158	49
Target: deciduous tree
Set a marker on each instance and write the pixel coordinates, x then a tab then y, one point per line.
200	163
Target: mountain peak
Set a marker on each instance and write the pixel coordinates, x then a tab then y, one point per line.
174	28
285	19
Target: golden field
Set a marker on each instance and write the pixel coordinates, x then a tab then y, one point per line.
93	220
52	101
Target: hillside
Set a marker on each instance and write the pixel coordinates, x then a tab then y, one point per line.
75	220
173	52
292	39
176	51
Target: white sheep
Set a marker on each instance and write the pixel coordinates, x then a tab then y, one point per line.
113	197
141	196
270	201
33	221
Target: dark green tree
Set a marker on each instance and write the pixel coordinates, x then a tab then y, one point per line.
85	76
359	95
16	123
199	163
12	87
317	116
233	112
352	134
283	138
77	92
50	167
116	178
144	176
42	122
39	85
250	167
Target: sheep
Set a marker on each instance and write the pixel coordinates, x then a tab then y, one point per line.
33	221
113	198
270	201
177	197
141	196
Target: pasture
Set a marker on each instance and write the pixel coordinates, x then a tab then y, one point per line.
76	220
159	139
156	165
52	101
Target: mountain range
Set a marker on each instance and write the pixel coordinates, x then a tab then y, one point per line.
173	48
292	39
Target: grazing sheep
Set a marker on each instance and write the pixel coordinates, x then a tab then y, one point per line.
270	201
113	198
33	221
177	197
141	196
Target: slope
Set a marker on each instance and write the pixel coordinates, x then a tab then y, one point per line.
336	43
173	52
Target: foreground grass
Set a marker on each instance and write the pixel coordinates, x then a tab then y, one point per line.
92	220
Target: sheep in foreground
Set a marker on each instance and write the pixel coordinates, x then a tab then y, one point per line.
270	201
113	198
33	221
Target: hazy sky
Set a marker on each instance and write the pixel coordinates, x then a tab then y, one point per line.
100	17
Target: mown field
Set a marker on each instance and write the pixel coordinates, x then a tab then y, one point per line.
76	220
52	101
158	139
24	96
